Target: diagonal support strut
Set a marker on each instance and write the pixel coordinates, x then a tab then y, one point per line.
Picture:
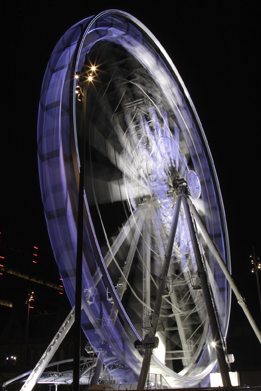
211	245
209	305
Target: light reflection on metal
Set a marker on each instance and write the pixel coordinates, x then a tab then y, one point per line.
29	278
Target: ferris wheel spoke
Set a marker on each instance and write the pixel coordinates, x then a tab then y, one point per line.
132	132
103	146
165	147
112	115
122	283
152	144
119	240
104	192
107	185
140	156
122	137
127	102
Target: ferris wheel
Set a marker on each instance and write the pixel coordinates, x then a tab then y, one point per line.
147	163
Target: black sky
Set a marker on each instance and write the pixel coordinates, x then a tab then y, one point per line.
215	46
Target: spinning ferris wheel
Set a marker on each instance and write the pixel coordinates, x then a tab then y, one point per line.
153	217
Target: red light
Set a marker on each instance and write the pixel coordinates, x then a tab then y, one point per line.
32	308
60	293
36	247
61	279
2	257
1	274
61	286
35	255
1	265
34	261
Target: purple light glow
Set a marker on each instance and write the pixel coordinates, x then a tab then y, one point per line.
142	130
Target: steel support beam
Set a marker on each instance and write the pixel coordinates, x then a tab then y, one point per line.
156	314
211	245
96	375
49	353
122	283
174	301
123	235
146	288
78	287
209	305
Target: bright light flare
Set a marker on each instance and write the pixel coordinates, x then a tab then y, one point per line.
213	344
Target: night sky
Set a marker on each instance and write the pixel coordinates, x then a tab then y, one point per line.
215	46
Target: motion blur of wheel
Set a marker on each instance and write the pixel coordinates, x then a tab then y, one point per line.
142	132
